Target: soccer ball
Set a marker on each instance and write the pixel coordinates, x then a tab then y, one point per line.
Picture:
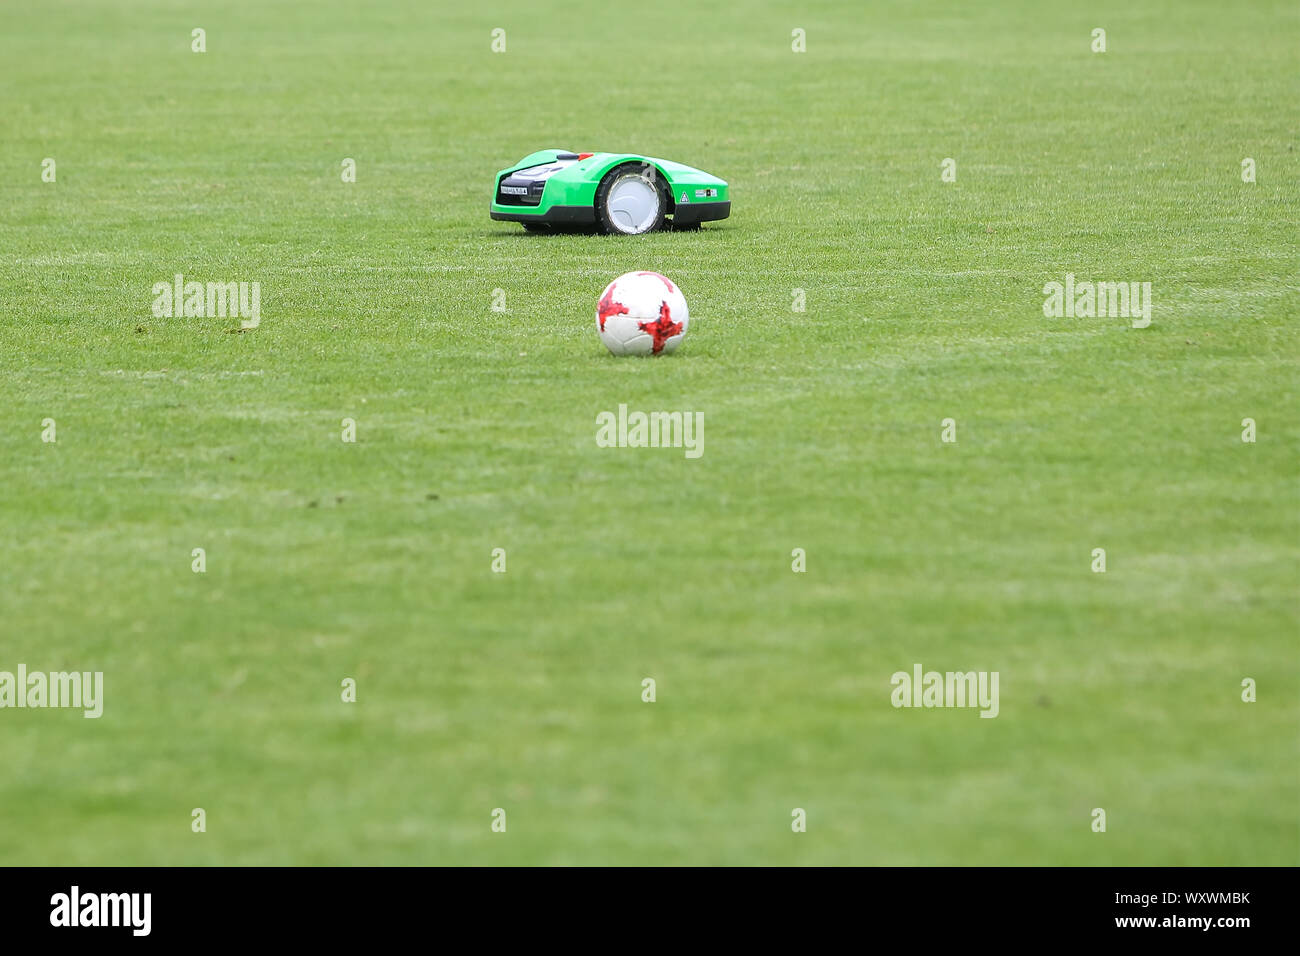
642	313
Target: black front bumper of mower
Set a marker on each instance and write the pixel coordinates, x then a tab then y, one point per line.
555	216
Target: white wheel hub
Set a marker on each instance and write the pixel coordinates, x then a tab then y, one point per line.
632	204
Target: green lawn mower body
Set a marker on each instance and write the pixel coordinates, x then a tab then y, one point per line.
618	192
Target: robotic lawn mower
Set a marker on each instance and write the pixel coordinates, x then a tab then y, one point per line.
620	193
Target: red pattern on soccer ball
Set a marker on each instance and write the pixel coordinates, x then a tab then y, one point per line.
607	307
662	328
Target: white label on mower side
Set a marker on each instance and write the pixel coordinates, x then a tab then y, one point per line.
683	199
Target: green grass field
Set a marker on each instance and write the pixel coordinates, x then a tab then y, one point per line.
475	428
